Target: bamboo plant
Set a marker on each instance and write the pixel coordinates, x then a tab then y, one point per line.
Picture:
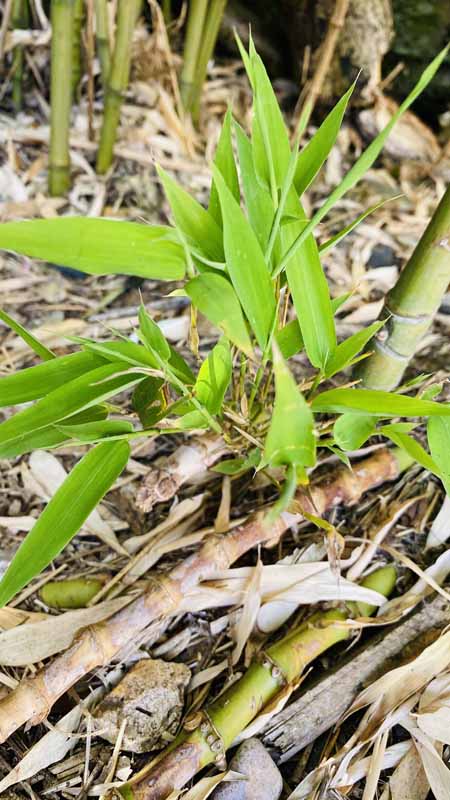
117	82
410	306
62	17
102	38
236	266
271	671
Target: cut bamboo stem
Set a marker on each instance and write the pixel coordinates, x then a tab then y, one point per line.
119	73
62	17
102	39
96	646
411	305
210	32
269	673
195	25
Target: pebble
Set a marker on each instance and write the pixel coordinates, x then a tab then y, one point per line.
150	697
264	781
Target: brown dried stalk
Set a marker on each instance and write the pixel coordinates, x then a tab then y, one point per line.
97	645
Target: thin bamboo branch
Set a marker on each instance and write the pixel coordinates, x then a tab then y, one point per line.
194	31
325	55
102	38
270	671
210	32
117	81
97	645
411	305
60	95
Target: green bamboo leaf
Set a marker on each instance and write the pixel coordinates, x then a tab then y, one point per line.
238	466
366	160
290	439
438	433
136	355
212	382
93	431
289	339
52	435
316	152
330	243
352	430
34	382
216	299
152	336
269	134
411	446
246	265
198	226
346	351
75	396
258	202
225	163
64	515
149	400
377	403
98	246
40	349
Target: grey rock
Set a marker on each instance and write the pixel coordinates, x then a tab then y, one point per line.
150	698
264	781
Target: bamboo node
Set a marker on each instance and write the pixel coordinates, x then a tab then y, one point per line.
268	663
213	739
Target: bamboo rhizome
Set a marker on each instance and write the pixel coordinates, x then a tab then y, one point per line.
117	84
62	18
270	672
411	305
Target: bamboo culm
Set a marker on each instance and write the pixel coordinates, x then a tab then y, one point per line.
19	19
269	673
411	305
102	39
77	50
62	17
210	31
119	73
195	25
97	645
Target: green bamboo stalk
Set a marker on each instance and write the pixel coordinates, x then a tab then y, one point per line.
62	17
119	73
210	32
77	55
19	19
167	11
103	39
194	31
411	305
223	720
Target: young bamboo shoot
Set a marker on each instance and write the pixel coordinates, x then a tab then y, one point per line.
411	305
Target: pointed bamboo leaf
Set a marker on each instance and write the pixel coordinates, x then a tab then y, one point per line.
40	349
98	246
258	202
352	430
366	160
197	225
439	442
211	385
377	403
149	400
225	163
76	395
289	339
330	243
269	134
290	439
94	431
316	152
246	265
411	446
34	382
65	514
216	299
152	336
347	350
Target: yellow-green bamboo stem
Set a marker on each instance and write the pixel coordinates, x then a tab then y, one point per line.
19	19
62	13
192	44
211	29
77	56
118	81
411	305
102	39
167	11
223	720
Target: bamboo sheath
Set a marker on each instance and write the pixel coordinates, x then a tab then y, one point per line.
97	645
